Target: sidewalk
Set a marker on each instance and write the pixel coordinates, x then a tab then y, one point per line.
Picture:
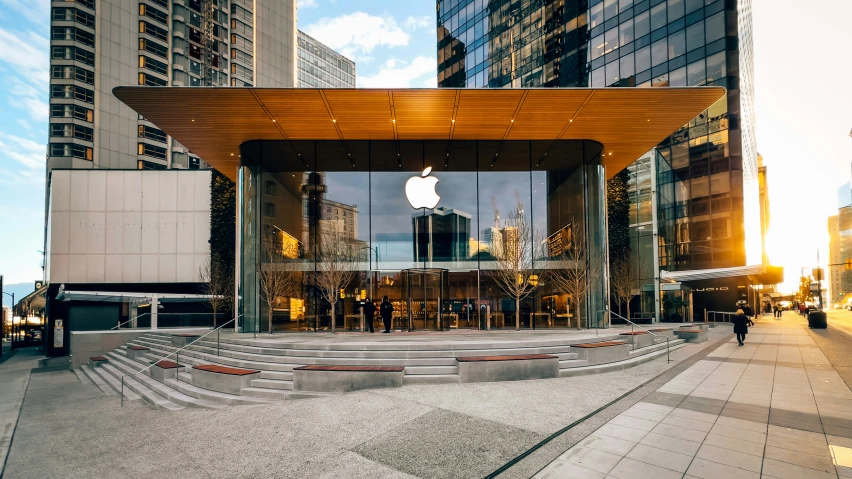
773	408
14	377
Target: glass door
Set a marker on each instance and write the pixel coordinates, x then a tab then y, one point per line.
427	290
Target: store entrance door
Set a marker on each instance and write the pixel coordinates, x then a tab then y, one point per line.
428	288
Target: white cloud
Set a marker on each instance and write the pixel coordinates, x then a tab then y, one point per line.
29	98
36	11
399	74
27	53
357	34
28	157
306	4
413	23
24	123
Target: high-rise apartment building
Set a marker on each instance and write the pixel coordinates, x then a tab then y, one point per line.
635	43
441	234
99	45
321	67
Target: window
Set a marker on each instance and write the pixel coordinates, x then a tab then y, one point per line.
695	36
659	52
611	40
241	28
153	65
71	72
150	80
271	188
675	9
73	34
154	31
658	16
642	24
241	71
598	46
677	44
162	3
74	15
625	32
152	133
677	77
72	92
596	15
69	130
695	74
147	45
241	56
612	73
716	66
715	27
153	13
73	53
71	150
153	151
269	209
241	42
241	13
86	3
627	66
693	5
610	9
643	59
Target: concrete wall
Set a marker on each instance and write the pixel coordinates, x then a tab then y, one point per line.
139	226
85	344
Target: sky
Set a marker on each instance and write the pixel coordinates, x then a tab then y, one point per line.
803	105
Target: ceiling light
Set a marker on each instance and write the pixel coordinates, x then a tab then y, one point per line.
394	120
334	121
273	121
512	120
232	154
454	120
571	121
193	120
610	153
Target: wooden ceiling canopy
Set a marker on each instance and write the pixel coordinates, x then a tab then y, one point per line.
214	122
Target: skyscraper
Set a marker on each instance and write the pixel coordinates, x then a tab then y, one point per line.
321	67
98	45
633	43
441	234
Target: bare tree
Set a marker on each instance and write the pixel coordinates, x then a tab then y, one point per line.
514	271
336	264
572	272
278	275
622	276
217	283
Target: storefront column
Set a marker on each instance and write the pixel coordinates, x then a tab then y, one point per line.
155	305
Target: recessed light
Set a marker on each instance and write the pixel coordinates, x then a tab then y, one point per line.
193	120
454	120
393	121
334	121
571	121
512	120
232	154
273	121
610	153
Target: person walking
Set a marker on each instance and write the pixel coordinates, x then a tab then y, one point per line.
386	312
369	310
746	309
741	324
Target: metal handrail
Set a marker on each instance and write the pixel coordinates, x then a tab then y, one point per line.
162	314
714	313
177	355
633	339
129	320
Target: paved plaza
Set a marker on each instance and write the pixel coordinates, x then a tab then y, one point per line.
775	408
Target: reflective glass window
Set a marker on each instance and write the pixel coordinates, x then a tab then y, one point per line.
658	16
695	36
597	48
610	9
623	4
596	15
677	44
659	52
716	66
695	73
662	80
715	27
599	78
611	40
643	59
677	77
675	9
693	5
627	66
612	73
625	32
642	24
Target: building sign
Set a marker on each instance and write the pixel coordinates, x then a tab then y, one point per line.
58	334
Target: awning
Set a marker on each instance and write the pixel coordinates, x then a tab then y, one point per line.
716	273
132	298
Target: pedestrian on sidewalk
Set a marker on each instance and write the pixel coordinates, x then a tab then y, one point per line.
741	324
369	309
386	312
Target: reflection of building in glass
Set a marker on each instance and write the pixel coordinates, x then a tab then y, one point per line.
559	243
763	191
441	234
506	43
320	66
835	273
493	238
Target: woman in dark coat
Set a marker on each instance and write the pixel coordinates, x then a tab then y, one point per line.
741	324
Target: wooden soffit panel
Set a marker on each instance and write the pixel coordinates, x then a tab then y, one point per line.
214	122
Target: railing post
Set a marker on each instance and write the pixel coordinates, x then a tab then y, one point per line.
668	351
217	342
122	390
177	361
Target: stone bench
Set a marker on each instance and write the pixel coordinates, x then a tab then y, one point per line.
663	333
479	369
181	340
341	379
691	335
638	339
223	379
136	352
96	361
602	352
702	326
164	370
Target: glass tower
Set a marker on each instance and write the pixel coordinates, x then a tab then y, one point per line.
632	43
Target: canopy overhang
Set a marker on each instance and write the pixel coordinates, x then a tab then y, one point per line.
214	122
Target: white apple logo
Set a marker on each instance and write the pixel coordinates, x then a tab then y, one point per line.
420	190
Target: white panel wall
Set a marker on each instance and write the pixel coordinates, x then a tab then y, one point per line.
128	226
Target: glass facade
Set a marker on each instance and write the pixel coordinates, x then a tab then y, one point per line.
335	220
632	43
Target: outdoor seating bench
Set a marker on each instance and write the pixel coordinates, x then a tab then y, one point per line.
181	340
639	339
477	369
135	352
603	352
163	370
96	361
691	335
341	379
633	333
223	378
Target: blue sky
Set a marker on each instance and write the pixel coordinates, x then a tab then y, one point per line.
803	108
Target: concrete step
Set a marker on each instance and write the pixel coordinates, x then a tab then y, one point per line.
272	384
132	388
112	376
192	356
655	347
310	395
266	393
221	399
572	363
82	377
431	370
567	356
97	380
430	379
616	366
173	395
282	376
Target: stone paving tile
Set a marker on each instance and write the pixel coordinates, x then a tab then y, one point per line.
713	470
784	470
660	457
594	459
742	424
632	469
621	432
734	444
728	457
669	443
606	443
560	469
820	463
688	423
633	422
